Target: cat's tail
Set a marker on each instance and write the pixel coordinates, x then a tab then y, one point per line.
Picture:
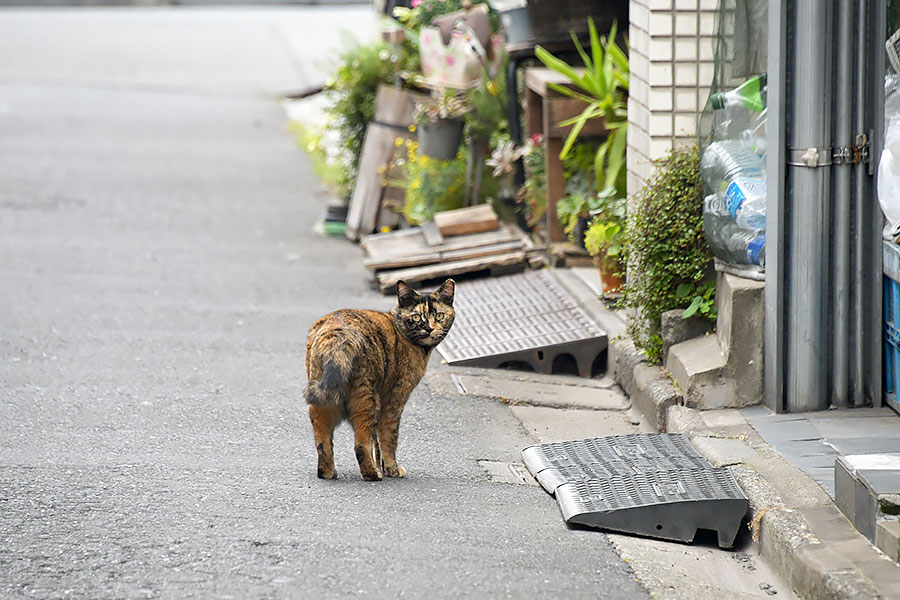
335	370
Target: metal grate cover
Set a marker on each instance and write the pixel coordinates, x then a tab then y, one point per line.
526	317
649	484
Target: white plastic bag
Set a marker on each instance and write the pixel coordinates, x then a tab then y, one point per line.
889	175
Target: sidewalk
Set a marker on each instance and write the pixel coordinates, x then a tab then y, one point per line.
784	463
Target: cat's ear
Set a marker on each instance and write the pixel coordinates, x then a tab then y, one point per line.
445	292
406	296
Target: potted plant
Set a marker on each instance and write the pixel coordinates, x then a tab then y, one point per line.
503	161
439	124
603	86
602	242
574	209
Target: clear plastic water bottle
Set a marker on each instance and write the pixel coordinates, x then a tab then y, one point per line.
728	240
726	160
746	202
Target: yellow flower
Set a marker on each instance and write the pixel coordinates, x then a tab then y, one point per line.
415	184
412	128
424	159
492	88
398	142
385	229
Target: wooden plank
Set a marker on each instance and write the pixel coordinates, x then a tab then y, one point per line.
556	186
471	219
411	242
394	242
396	262
432	234
481	251
378	148
387	281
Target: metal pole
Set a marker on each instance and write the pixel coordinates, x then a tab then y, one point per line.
807	353
775	203
860	293
872	276
843	111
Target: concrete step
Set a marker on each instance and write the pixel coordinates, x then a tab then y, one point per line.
725	370
867	490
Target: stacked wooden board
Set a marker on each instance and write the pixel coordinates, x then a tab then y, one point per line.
456	242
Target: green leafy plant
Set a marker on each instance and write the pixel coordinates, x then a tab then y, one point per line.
422	13
432	185
603	86
664	243
703	299
351	95
602	241
581	188
532	196
488	102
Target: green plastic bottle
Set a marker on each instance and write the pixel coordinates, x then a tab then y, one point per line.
750	94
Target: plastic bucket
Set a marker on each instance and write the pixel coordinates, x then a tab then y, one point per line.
517	25
440	139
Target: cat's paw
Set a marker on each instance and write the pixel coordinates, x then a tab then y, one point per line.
326	474
372	475
395	471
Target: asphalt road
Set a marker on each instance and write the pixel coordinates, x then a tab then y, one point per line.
159	273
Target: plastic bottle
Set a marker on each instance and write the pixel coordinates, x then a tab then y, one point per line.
727	160
750	94
746	201
728	240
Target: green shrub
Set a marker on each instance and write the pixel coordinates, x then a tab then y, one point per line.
351	95
665	245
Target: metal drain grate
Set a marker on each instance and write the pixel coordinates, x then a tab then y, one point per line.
520	318
649	484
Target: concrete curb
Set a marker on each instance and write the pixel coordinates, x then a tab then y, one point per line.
650	388
812	568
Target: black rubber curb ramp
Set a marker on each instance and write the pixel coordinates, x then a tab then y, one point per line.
650	484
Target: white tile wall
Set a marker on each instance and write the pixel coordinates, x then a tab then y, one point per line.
671	69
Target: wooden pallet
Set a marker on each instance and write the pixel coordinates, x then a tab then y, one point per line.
411	247
422	253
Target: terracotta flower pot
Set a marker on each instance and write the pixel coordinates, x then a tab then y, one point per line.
610	275
611	283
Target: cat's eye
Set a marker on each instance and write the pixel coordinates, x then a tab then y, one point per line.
416	317
439	317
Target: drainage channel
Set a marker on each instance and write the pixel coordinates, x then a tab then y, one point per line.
651	484
526	318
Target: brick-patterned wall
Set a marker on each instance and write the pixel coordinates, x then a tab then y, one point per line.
671	60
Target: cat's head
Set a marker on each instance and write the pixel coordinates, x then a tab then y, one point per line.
425	318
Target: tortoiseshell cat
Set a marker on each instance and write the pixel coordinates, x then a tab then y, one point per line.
362	366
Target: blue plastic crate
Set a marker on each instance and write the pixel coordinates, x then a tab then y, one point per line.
891	267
